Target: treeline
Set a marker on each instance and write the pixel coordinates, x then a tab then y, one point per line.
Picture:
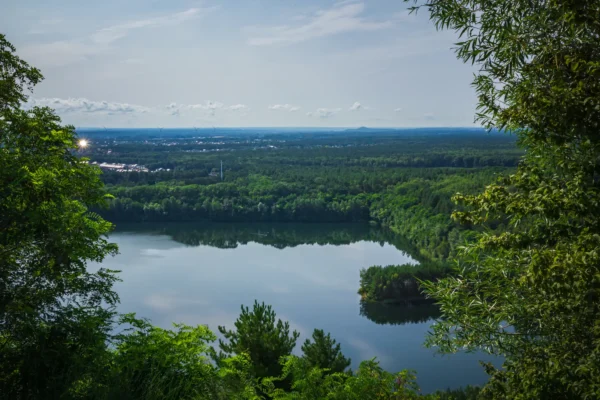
190	164
415	203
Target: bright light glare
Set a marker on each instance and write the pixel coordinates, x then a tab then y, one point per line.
83	143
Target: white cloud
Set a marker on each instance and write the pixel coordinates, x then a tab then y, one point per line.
112	33
64	52
397	109
324	112
238	107
284	107
358	106
209	107
84	105
429	116
355	107
341	18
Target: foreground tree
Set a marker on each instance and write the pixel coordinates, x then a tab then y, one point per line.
324	352
532	293
53	326
263	338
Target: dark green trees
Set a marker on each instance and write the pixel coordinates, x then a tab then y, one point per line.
261	337
399	283
324	352
154	363
531	292
53	320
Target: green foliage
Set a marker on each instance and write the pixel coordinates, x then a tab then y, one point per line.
324	353
398	283
153	363
467	393
53	317
261	337
531	291
369	382
415	204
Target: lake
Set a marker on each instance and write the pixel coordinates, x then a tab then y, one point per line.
202	274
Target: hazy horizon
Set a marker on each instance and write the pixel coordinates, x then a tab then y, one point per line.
326	128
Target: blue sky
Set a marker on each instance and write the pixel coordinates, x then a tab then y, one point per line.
179	63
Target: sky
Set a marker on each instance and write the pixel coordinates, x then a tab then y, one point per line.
181	63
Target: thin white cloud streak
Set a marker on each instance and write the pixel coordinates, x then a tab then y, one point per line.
283	107
341	18
209	107
397	109
413	45
324	112
112	33
64	52
238	107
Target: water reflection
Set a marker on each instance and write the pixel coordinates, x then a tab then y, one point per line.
394	314
281	236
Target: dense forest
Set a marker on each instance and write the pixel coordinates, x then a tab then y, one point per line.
396	179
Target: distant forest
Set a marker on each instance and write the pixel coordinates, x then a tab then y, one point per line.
402	180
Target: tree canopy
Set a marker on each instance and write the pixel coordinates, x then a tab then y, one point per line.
263	338
54	313
530	292
324	352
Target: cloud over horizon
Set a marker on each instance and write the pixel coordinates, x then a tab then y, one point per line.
84	105
284	107
324	112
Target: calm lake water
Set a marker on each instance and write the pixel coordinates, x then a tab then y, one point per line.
308	273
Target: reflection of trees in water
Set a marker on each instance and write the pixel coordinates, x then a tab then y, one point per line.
394	314
282	235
